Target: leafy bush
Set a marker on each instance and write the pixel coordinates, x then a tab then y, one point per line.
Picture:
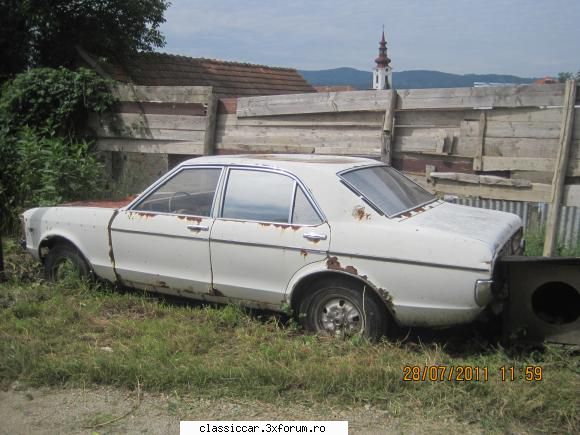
54	101
55	170
44	154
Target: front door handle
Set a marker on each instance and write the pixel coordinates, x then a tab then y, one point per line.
198	227
314	236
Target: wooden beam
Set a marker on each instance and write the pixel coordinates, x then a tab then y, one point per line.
480	179
488	97
323	120
550	241
478	158
134	120
323	102
210	126
388	134
493	163
150	146
162	94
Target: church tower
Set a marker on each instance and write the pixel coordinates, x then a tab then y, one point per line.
382	72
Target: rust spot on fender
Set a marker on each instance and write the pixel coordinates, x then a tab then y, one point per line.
215	292
303	253
359	213
333	264
264	225
197	220
385	295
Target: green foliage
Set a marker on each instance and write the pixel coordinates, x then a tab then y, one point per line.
535	245
53	101
44	157
47	32
54	170
563	76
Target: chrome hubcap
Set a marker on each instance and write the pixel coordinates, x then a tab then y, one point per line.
341	317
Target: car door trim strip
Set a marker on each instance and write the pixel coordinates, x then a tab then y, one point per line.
400	260
264	245
150	233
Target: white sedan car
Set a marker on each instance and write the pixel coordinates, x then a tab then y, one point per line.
350	244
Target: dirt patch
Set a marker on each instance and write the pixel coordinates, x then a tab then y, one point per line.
74	411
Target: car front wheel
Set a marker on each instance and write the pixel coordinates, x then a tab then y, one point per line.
64	261
341	309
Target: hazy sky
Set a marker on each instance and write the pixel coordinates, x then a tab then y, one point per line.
527	38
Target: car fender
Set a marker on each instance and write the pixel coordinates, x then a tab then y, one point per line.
329	266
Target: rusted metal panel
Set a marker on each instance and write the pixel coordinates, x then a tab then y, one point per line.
543	299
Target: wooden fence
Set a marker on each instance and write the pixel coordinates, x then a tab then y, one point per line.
511	143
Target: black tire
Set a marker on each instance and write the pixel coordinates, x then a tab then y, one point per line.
63	259
344	308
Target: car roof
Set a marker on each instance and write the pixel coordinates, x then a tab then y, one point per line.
291	162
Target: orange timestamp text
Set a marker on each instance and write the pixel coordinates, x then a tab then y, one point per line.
439	373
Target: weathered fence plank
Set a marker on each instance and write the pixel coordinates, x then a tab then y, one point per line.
326	102
561	169
482	97
169	122
491	163
150	146
162	94
388	132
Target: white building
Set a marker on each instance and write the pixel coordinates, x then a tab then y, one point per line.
382	72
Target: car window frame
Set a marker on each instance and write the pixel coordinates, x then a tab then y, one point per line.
297	183
375	207
171	174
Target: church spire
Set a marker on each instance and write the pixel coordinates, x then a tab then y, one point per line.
382	61
382	72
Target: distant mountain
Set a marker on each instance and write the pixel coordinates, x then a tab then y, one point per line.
416	79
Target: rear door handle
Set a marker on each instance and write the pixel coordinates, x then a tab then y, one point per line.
198	227
314	236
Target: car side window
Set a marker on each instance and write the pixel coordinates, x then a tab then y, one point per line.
258	196
189	192
303	212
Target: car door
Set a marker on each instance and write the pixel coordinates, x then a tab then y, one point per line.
267	229
162	241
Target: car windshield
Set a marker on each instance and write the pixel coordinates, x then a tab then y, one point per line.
387	189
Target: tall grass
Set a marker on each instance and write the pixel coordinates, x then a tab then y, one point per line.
63	335
535	245
79	333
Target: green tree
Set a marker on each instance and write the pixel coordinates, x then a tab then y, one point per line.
563	76
46	32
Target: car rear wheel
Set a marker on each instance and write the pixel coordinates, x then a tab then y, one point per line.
340	308
63	262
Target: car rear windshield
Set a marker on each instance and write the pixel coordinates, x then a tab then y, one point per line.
387	189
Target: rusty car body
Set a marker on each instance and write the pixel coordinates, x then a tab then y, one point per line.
351	245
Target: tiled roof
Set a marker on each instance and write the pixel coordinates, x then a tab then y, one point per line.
229	79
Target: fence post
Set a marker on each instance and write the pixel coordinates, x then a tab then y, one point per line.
389	129
561	168
210	125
